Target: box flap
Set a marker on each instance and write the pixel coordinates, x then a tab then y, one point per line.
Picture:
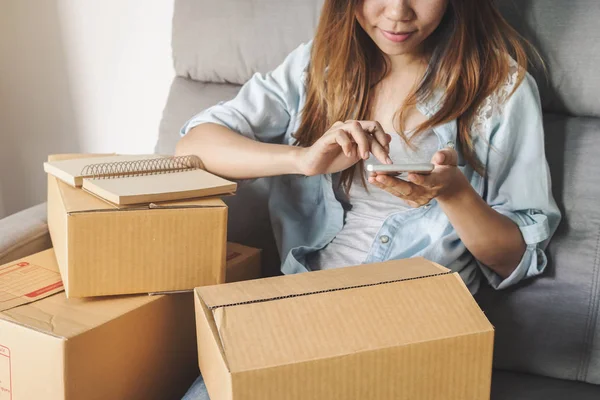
394	310
77	200
57	316
318	281
202	202
29	279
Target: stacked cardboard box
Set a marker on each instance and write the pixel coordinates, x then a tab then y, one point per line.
57	342
404	329
107	249
115	347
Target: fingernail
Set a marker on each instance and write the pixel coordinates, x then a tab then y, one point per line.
366	155
351	154
388	160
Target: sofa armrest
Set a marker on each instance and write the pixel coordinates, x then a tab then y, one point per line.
24	233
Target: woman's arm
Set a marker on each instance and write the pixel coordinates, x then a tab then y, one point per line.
227	153
517	214
246	137
492	238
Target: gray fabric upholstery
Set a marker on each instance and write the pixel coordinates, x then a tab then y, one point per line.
248	221
228	41
186	98
566	33
514	386
24	233
550	326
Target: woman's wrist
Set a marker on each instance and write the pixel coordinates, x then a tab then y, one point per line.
294	159
458	189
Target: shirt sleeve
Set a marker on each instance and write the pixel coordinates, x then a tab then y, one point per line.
263	108
518	183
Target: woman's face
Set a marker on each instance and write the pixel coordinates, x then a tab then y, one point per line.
400	26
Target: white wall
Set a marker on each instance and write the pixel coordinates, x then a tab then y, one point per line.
77	76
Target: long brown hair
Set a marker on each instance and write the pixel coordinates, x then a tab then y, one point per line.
469	62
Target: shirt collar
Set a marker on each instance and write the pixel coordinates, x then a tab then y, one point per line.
446	132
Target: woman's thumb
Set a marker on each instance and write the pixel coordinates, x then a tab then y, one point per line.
445	157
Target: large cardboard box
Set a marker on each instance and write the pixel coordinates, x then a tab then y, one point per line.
119	348
103	249
405	329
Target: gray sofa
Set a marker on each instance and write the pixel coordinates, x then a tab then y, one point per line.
547	330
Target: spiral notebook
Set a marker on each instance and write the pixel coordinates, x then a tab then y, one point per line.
127	180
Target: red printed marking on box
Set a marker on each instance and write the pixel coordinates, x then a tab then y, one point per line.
232	254
5	374
43	290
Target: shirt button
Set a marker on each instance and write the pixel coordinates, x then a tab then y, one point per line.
450	144
384	239
427	206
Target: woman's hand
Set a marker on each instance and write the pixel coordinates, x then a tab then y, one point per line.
445	181
342	146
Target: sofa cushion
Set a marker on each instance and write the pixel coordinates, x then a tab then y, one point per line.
550	326
566	33
24	233
228	41
518	386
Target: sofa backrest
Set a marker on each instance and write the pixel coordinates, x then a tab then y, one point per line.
550	325
567	34
228	41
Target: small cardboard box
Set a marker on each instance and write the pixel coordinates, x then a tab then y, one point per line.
103	249
243	263
120	348
406	329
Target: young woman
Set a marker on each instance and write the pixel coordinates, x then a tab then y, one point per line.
440	81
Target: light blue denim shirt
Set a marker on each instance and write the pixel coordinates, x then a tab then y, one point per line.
308	212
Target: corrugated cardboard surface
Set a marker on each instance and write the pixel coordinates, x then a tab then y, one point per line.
397	330
125	347
28	281
104	250
243	263
281	286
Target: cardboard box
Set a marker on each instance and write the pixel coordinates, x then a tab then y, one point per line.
103	249
243	263
125	347
406	329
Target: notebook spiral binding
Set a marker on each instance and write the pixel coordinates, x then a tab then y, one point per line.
152	166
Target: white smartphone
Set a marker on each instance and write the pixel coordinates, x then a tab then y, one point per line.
401	169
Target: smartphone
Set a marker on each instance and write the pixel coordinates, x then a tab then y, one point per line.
400	169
